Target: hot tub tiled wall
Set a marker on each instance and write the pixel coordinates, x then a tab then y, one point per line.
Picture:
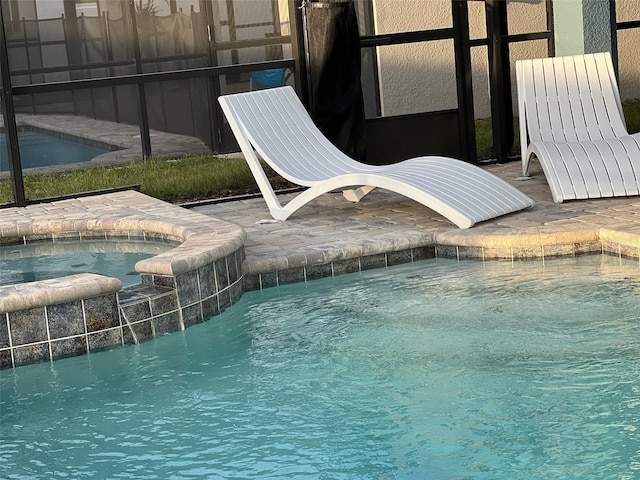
164	303
109	316
78	314
59	321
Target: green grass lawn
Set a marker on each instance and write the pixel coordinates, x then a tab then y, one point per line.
201	176
198	176
631	110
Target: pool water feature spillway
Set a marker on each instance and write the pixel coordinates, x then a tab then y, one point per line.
78	314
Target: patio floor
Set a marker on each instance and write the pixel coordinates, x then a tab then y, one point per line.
331	235
331	229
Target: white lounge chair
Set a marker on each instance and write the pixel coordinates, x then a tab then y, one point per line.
275	123
571	120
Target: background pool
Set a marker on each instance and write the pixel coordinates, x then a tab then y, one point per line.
436	370
41	150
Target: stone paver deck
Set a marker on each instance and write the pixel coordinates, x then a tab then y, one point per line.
330	228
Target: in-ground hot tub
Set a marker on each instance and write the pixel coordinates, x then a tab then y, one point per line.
77	314
45	260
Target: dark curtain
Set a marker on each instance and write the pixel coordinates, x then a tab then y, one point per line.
336	103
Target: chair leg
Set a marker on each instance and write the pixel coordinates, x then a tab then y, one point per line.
357	194
526	164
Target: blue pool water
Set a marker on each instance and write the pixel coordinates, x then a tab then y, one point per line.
42	261
41	150
437	370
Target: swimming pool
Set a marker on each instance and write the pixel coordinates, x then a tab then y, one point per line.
38	149
45	260
436	369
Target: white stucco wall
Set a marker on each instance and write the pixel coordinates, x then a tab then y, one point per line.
628	49
420	77
417	77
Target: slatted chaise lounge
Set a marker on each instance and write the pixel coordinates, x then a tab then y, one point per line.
571	120
275	124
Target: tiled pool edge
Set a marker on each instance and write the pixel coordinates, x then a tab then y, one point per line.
457	245
163	304
208	272
87	312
